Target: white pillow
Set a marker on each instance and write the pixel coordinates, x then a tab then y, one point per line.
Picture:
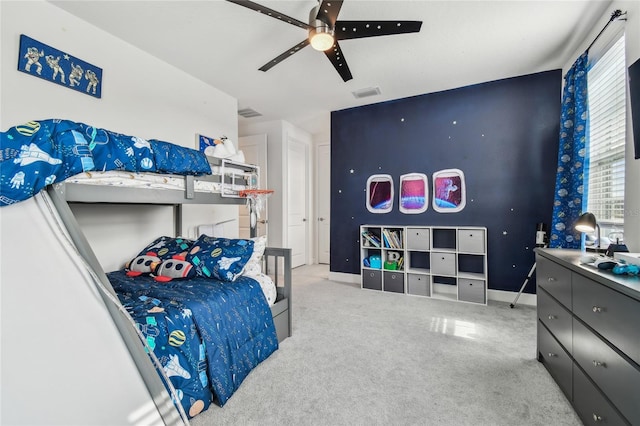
254	264
268	287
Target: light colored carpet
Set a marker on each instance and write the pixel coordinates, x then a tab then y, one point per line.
362	357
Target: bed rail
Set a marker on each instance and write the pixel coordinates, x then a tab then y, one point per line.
277	265
230	175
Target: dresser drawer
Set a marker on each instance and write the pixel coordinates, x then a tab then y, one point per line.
443	263
471	240
556	360
616	377
555	279
592	407
556	318
394	281
613	315
418	284
418	239
471	290
372	279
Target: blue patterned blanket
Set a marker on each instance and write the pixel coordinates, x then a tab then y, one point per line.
38	153
207	334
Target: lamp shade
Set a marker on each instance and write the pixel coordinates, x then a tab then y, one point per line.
321	41
585	223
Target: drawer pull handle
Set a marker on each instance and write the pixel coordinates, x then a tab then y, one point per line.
596	418
599	363
552	317
552	355
551	279
597	309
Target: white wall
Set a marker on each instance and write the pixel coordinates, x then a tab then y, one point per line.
275	164
278	134
141	96
632	167
55	330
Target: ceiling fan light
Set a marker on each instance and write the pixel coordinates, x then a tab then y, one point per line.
321	41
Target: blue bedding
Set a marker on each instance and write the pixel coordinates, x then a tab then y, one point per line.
207	334
38	153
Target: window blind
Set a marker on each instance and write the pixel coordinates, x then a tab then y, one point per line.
607	102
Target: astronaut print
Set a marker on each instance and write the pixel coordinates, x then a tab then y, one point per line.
50	64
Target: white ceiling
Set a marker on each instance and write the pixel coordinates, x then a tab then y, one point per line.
460	43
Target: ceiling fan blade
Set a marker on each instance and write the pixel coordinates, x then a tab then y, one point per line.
270	12
328	11
345	30
339	63
275	61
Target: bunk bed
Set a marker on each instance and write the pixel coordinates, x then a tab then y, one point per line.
132	301
276	262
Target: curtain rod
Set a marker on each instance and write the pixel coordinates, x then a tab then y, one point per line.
615	15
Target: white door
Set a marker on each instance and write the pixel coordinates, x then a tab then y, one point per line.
324	202
255	152
297	196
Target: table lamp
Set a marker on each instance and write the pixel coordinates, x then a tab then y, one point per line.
587	223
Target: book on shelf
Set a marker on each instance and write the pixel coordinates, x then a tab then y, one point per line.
392	238
385	238
372	238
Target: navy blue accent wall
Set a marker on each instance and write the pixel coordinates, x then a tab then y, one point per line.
503	135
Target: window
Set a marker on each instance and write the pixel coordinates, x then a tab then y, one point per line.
607	103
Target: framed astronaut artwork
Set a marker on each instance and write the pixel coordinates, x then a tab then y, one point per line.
58	67
449	191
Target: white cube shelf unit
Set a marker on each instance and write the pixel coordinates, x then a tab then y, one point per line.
445	262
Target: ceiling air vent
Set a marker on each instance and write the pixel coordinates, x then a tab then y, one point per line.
363	93
248	113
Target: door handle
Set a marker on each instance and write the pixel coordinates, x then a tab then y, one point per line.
304	219
321	219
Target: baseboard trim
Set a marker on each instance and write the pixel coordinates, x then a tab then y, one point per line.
493	295
344	278
509	296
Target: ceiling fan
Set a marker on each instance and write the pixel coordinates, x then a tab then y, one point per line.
325	30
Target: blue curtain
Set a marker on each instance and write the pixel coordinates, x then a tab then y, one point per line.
571	179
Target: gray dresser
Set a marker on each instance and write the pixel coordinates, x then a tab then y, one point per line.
589	336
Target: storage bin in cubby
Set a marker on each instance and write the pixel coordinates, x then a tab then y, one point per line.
443	263
471	290
372	279
394	281
418	239
419	284
471	240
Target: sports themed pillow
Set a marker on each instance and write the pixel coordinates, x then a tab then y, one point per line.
220	258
